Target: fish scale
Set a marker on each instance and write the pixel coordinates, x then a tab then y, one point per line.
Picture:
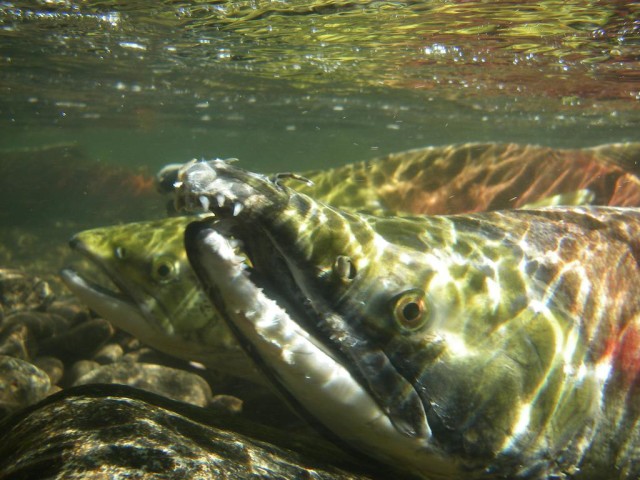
159	299
161	303
516	330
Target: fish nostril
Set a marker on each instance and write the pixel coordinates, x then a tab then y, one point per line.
74	242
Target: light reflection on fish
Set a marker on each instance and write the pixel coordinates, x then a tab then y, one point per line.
491	345
157	298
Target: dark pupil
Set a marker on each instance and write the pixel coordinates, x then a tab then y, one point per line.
352	271
164	270
411	311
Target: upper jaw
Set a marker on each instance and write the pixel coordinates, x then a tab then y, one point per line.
224	189
126	308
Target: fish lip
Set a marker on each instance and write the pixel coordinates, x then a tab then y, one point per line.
77	282
125	295
71	275
80	247
118	309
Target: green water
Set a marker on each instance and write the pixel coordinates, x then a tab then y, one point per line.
302	84
282	85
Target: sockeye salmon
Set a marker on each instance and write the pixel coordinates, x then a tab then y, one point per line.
491	345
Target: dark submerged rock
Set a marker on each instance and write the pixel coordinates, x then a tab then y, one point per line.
70	309
14	341
20	291
21	333
52	366
80	341
109	431
169	382
40	326
226	403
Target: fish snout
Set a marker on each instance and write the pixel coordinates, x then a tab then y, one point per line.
75	243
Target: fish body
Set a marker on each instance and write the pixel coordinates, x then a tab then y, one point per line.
490	345
478	177
158	299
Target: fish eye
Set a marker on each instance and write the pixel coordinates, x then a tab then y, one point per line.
410	310
120	253
344	268
164	269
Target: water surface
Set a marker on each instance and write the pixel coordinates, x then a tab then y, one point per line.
300	84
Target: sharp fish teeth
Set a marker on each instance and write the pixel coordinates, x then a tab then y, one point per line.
237	208
235	243
220	199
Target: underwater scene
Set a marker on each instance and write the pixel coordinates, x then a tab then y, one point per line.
328	239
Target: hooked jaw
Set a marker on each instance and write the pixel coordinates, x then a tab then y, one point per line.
217	186
306	373
326	368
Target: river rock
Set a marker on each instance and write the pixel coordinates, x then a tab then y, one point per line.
70	309
81	368
170	382
113	431
21	384
21	332
20	291
15	342
52	366
41	325
80	341
109	353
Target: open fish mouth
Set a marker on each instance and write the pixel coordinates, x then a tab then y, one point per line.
122	307
274	298
311	375
151	292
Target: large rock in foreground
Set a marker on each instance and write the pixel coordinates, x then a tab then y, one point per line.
114	431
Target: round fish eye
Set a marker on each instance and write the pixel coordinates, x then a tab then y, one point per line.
344	268
164	269
411	310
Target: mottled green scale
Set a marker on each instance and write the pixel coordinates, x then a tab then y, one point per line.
483	353
501	334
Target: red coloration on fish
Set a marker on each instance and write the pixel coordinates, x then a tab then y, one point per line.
511	177
140	184
627	356
479	177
